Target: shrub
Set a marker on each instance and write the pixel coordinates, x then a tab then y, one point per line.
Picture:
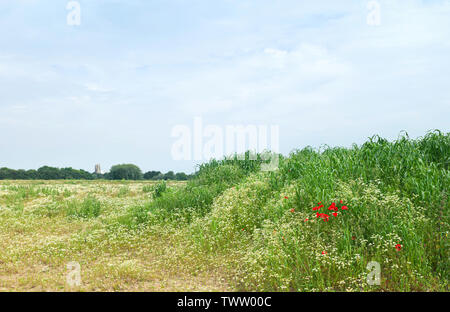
90	207
125	172
159	189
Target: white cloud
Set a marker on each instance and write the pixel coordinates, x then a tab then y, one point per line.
315	68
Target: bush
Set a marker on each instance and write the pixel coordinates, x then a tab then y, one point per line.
159	189
125	172
90	207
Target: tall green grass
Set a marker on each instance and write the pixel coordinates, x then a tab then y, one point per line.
397	193
90	207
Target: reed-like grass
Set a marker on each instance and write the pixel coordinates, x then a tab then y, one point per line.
397	194
255	229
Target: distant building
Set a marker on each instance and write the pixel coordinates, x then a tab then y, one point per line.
98	170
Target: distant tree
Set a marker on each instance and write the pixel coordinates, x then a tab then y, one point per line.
49	173
150	175
73	174
125	172
21	174
32	174
169	176
6	174
181	176
45	173
117	172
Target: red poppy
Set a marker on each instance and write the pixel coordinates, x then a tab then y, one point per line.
335	214
324	216
398	247
344	208
353	237
319	203
317	208
324	252
333	207
285	197
292	210
306	219
341	201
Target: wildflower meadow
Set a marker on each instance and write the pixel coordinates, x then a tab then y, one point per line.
320	222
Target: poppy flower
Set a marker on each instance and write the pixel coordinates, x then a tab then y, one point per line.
398	247
335	214
324	252
317	208
353	237
306	219
285	197
344	208
341	201
324	216
333	207
292	210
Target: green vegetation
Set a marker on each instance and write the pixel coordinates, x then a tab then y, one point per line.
397	194
45	173
118	172
125	172
90	207
159	189
236	227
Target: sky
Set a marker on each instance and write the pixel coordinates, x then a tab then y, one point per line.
112	89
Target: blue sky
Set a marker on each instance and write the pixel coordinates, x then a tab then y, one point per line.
111	90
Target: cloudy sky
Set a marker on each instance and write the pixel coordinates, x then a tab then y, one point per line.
112	89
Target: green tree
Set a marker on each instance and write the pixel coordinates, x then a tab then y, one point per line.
125	172
49	173
151	175
6	174
181	176
169	176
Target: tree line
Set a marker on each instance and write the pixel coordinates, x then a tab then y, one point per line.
117	172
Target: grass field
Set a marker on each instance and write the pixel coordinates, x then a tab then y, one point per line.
312	225
44	225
